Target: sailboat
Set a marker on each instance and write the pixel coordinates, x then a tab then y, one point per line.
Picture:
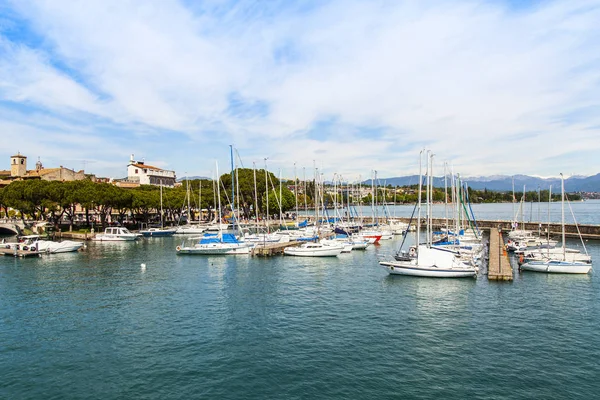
189	228
317	249
425	260
162	231
216	244
563	264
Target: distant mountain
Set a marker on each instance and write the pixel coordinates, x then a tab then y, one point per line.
503	183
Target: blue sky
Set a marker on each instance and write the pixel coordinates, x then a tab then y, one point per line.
492	87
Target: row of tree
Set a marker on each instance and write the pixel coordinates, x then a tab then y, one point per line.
56	201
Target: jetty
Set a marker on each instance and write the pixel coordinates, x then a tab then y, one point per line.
499	268
19	253
272	249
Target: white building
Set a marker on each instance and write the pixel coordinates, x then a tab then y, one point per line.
139	171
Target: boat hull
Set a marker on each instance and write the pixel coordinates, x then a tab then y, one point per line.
111	238
557	267
158	233
322	252
399	268
214	250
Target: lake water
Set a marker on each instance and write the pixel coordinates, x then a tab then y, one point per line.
95	325
585	212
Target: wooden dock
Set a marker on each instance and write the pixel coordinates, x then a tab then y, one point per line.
19	253
499	268
272	249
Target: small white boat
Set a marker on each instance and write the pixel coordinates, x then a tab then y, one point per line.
558	267
66	246
310	249
116	234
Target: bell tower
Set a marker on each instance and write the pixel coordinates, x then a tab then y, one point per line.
18	165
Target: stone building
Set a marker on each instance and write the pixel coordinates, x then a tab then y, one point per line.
18	171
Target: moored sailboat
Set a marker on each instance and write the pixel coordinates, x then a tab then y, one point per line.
561	264
425	260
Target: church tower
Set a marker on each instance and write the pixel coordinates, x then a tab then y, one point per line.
18	165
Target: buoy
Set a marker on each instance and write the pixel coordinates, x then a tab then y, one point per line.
143	266
178	248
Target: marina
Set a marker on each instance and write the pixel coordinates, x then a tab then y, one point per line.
320	200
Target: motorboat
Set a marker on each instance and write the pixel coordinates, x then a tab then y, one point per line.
66	246
116	234
158	232
311	249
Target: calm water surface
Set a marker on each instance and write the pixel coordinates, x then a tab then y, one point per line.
95	325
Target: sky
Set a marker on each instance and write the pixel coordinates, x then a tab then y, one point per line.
489	87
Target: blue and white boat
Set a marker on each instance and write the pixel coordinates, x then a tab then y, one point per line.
158	232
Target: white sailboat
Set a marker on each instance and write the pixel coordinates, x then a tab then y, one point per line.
216	244
319	249
162	231
564	264
427	260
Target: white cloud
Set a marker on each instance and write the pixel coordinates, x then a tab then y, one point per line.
494	89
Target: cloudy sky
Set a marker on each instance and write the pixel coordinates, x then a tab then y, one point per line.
493	87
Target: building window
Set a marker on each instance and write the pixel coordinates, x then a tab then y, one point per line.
145	171
136	171
22	161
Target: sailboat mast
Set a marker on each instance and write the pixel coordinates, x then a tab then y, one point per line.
296	190
232	185
219	199
513	201
267	190
431	200
280	200
214	193
255	195
161	206
237	188
418	231
317	200
373	195
523	209
305	201
562	213
428	204
446	195
187	190
548	229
